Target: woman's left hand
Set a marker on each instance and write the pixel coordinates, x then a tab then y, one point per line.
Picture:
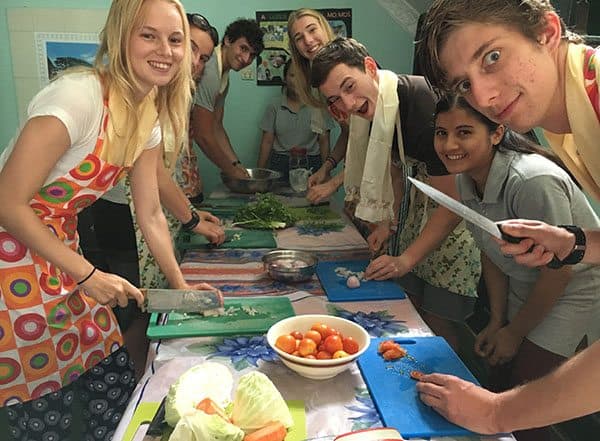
385	267
210	227
507	344
321	192
205	216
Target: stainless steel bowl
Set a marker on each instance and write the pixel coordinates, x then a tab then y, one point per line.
290	265
260	181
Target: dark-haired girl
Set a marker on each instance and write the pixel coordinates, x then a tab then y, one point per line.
538	316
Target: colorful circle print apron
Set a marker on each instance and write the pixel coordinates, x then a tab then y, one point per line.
50	331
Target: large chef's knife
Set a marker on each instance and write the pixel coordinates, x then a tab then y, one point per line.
157	425
182	300
463	211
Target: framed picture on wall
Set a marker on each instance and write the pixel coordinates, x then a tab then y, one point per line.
56	52
270	63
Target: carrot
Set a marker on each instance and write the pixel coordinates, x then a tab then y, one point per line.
209	407
271	432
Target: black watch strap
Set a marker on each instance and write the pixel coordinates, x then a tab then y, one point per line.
192	223
578	251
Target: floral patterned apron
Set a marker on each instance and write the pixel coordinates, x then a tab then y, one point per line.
455	265
50	330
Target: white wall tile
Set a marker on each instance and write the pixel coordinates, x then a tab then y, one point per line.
19	19
22	48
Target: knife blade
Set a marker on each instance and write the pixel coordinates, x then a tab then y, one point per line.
157	425
463	211
182	300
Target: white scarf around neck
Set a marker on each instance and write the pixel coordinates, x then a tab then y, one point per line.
367	177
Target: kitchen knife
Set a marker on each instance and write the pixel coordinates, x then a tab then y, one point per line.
182	300
463	211
157	425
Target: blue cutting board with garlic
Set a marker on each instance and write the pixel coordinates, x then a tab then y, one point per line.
334	279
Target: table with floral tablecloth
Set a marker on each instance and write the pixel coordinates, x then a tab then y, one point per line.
333	406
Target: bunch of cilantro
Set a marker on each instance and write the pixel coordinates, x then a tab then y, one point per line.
267	212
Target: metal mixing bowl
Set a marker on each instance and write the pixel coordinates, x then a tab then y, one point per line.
278	264
260	181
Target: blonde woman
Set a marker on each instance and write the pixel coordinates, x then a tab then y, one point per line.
308	32
65	370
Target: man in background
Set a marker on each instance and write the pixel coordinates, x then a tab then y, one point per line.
242	42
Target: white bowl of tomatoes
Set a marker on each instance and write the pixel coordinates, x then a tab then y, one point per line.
318	346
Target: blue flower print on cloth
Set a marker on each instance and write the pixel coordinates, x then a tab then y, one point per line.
244	351
365	408
376	323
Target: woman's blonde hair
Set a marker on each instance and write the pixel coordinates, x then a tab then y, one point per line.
113	65
445	16
302	65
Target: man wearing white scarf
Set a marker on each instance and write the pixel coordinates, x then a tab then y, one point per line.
391	131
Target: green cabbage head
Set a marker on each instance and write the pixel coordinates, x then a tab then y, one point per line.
199	426
257	402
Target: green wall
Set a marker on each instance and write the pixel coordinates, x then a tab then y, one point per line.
387	41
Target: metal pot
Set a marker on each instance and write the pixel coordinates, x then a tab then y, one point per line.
276	264
260	181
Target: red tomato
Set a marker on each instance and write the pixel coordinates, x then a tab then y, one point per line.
320	328
394	353
340	354
313	335
386	345
286	343
323	355
350	345
307	347
297	335
332	331
333	343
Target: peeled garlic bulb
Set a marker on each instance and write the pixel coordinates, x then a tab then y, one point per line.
352	282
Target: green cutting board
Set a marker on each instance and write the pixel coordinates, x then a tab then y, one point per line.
225	203
233	239
243	316
315	213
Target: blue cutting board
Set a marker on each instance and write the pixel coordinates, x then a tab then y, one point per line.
394	392
337	291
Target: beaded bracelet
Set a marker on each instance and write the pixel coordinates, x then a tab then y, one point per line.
86	278
332	161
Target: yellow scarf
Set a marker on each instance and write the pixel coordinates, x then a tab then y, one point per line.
367	177
579	150
124	143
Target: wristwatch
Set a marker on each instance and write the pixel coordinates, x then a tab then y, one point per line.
192	223
578	251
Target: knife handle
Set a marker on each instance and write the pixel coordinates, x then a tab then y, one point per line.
509	238
513	239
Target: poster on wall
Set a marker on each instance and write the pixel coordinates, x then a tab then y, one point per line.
58	51
270	63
